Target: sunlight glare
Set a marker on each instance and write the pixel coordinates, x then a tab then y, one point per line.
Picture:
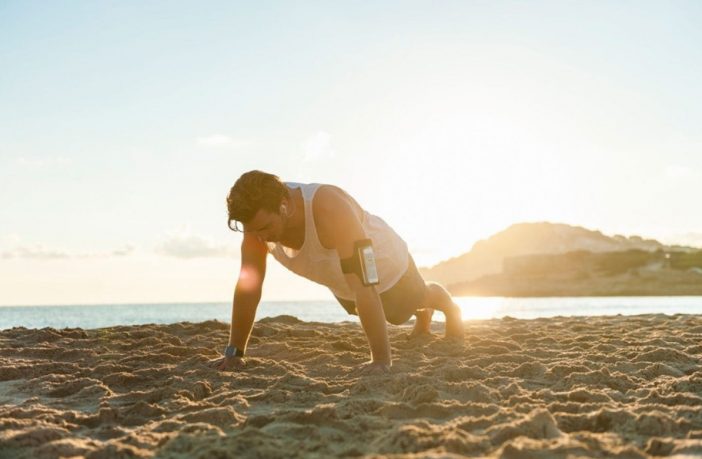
479	308
249	279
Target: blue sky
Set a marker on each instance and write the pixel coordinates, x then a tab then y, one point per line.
123	125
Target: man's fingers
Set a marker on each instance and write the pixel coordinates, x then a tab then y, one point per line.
216	364
362	371
224	364
370	369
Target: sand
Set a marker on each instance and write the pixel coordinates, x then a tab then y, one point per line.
619	386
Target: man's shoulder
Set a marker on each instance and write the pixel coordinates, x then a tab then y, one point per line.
328	196
332	207
329	200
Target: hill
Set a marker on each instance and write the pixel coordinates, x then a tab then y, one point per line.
488	257
584	273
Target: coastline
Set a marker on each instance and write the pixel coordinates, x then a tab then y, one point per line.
627	386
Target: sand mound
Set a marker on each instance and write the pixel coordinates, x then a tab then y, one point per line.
563	387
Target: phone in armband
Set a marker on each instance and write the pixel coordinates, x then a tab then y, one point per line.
370	270
362	263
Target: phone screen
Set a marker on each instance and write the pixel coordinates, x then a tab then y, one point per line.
369	268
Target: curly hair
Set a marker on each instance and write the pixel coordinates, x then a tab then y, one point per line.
255	190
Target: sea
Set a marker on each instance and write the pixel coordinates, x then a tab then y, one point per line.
474	308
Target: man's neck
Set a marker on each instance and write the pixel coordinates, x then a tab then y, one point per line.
295	228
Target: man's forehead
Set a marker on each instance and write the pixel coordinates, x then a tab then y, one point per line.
259	219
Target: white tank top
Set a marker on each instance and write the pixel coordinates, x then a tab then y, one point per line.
322	265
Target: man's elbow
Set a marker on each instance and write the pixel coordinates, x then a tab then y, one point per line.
250	280
251	292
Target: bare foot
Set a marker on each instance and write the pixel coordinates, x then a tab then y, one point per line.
454	322
417	333
422	326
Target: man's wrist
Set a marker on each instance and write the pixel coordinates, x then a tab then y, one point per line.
232	351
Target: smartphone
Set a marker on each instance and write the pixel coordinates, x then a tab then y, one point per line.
370	270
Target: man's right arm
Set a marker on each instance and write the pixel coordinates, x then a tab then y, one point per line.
247	293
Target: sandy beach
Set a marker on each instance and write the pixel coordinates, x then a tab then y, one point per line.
620	386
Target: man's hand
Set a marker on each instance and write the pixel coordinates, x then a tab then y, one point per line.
372	368
227	363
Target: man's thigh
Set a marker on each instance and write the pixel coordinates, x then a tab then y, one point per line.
403	299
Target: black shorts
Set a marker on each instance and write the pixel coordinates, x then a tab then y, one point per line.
401	300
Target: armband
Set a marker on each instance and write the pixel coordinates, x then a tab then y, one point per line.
362	263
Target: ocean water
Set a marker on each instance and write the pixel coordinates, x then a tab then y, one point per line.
96	316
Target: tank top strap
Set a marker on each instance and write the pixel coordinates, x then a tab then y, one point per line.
311	234
312	244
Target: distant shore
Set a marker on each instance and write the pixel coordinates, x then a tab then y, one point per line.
626	386
663	283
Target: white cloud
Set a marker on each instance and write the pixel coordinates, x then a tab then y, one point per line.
36	252
222	141
41	252
187	246
124	251
318	146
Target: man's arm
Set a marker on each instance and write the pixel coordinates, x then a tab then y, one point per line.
370	311
247	293
342	222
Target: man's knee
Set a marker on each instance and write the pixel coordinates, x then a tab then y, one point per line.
432	291
435	295
435	287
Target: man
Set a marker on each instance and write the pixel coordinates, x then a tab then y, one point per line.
320	232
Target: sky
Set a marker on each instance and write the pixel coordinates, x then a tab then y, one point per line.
124	124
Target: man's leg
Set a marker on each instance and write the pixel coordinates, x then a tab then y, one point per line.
437	297
422	324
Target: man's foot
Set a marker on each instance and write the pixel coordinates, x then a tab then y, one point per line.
454	322
422	326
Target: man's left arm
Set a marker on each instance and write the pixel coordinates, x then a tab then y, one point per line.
343	223
370	311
